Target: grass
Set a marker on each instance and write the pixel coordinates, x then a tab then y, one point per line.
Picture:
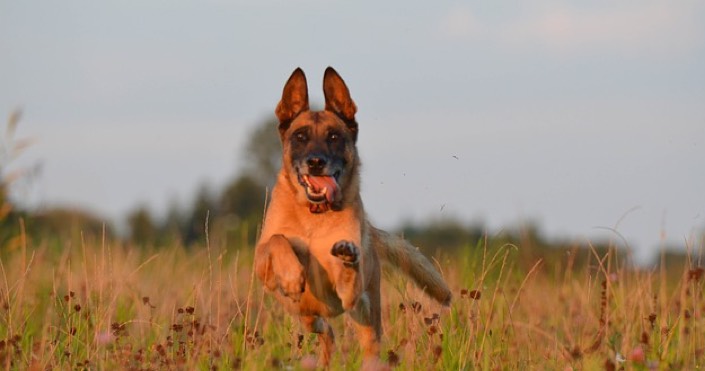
98	304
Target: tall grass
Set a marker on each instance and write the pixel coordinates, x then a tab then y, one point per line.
98	304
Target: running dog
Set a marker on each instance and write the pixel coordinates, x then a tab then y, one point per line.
318	254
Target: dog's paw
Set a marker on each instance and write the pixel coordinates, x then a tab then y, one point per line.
347	252
292	282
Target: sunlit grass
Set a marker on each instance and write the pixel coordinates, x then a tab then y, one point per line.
99	304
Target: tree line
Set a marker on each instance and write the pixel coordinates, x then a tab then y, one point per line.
232	215
233	212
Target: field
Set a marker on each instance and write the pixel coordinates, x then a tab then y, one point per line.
98	304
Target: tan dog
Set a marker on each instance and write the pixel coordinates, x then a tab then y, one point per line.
318	254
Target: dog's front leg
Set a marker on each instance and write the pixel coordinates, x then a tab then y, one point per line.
278	267
348	282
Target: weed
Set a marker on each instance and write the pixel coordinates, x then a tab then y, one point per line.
105	306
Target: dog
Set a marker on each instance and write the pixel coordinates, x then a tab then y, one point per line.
317	252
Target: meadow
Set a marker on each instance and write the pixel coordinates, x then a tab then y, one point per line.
99	304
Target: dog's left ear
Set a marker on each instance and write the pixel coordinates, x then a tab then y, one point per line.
338	96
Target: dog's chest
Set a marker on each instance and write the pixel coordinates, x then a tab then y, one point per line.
321	232
311	233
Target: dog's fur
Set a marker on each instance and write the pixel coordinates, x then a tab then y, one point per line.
318	254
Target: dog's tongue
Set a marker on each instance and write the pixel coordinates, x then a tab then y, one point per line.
320	182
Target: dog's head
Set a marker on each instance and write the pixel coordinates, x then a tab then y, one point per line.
320	159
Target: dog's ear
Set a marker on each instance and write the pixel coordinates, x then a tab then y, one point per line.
294	99
338	96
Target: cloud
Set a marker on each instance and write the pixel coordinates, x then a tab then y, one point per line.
458	23
635	28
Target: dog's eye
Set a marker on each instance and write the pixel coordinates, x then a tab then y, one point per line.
301	137
333	137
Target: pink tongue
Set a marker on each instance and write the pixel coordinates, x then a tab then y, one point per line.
320	182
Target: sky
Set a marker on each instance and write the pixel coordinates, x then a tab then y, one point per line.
585	118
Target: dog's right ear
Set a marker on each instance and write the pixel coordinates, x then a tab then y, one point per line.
294	99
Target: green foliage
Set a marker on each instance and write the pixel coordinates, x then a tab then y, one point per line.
444	235
243	198
263	153
9	150
234	213
144	230
195	227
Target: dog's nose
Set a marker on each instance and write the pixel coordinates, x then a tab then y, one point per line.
315	163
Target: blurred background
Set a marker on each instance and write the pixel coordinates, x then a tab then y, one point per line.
568	122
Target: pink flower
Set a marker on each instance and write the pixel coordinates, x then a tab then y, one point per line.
103	338
308	362
637	355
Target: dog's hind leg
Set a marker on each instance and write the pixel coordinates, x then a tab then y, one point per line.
367	316
277	265
368	326
326	339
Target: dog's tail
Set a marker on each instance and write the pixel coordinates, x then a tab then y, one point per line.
401	254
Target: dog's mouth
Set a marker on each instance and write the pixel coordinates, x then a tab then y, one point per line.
321	190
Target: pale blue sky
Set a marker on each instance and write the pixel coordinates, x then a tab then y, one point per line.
566	113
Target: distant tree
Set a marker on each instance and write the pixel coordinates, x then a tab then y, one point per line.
242	201
172	227
446	234
143	229
65	223
262	154
10	149
236	211
244	198
203	206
